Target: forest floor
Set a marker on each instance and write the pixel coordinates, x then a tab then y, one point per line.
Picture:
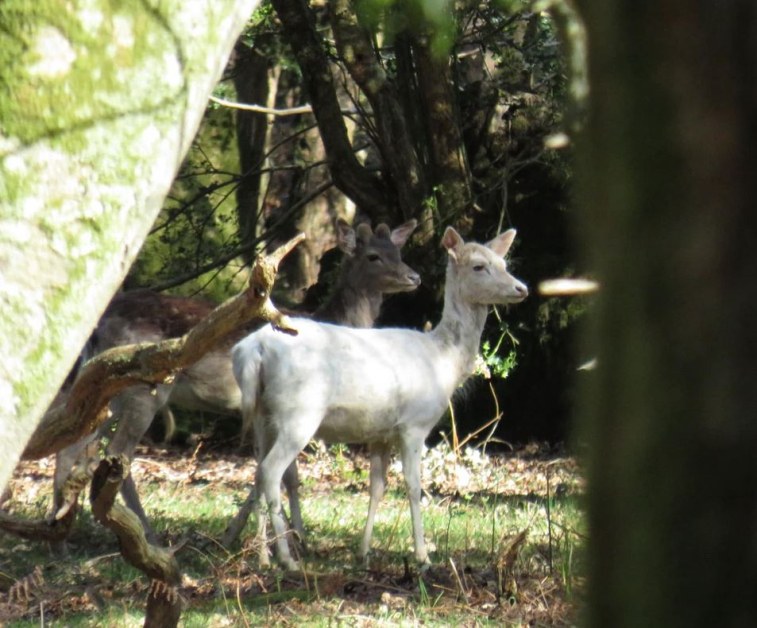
506	533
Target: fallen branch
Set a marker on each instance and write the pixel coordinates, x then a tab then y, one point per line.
85	408
51	530
164	604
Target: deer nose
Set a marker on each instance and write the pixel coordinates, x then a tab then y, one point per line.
522	290
414	278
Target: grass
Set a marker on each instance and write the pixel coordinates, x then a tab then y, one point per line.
506	538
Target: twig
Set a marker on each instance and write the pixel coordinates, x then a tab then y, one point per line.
549	521
461	588
292	111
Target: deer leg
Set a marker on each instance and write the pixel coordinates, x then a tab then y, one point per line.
131	499
271	469
135	410
292	484
410	452
251	504
379	456
256	498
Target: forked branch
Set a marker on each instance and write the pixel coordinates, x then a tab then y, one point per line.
107	374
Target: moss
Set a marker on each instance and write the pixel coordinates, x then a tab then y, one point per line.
107	62
95	100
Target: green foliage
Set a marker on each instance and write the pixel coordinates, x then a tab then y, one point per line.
430	18
498	365
263	19
198	222
498	360
555	316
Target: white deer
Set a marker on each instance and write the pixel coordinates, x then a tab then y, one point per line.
372	267
382	387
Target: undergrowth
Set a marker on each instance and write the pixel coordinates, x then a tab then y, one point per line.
506	536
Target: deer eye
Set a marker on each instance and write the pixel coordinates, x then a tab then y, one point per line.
372	257
479	267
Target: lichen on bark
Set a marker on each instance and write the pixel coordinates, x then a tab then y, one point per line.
98	104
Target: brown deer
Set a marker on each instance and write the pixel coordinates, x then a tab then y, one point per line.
372	267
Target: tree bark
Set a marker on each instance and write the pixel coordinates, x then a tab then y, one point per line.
393	134
85	407
365	189
164	604
98	109
251	83
447	160
668	187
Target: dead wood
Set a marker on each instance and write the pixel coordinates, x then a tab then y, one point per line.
157	562
108	373
86	407
51	530
103	377
164	602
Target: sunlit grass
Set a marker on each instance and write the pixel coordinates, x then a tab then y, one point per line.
467	534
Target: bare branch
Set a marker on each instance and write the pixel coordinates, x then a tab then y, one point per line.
394	136
292	111
103	377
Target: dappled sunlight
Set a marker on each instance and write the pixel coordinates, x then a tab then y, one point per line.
502	550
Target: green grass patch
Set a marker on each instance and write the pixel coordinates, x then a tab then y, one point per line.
506	536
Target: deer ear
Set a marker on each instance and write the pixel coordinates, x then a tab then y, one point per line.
400	235
502	243
345	237
452	241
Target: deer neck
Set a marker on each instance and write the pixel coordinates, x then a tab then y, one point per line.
460	329
352	306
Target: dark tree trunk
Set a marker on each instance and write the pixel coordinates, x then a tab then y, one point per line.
298	199
393	127
251	83
669	185
365	189
446	151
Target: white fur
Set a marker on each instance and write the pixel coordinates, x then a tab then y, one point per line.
372	268
384	387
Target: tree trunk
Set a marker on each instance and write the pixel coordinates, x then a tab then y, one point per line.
251	83
365	189
447	160
393	132
98	110
668	190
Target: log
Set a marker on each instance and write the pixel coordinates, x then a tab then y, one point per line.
85	408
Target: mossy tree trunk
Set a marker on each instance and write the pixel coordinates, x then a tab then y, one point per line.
669	188
98	109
